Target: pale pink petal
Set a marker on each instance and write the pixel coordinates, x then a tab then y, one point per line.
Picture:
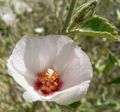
77	70
19	78
73	65
62	41
32	96
64	97
33	55
63	57
71	95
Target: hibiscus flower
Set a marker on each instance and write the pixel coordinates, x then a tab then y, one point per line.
50	68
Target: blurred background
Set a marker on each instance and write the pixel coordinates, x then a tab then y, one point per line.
42	17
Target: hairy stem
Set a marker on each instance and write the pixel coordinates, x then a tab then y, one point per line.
68	18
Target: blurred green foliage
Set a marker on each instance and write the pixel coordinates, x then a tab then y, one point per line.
97	27
104	92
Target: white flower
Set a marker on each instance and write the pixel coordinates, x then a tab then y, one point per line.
61	58
7	15
39	30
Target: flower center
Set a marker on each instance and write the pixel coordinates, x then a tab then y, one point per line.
47	82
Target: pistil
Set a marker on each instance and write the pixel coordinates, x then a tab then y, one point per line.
47	82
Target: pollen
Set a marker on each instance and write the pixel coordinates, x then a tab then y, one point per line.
47	82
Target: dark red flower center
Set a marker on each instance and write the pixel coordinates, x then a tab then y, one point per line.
47	82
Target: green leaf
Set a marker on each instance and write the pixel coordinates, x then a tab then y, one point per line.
83	12
110	63
74	105
116	81
97	23
96	26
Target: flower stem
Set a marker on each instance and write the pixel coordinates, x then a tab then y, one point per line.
68	18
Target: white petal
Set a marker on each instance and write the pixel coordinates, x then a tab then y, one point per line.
62	41
78	69
31	96
64	97
17	76
63	57
39	30
28	58
71	95
32	55
40	53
